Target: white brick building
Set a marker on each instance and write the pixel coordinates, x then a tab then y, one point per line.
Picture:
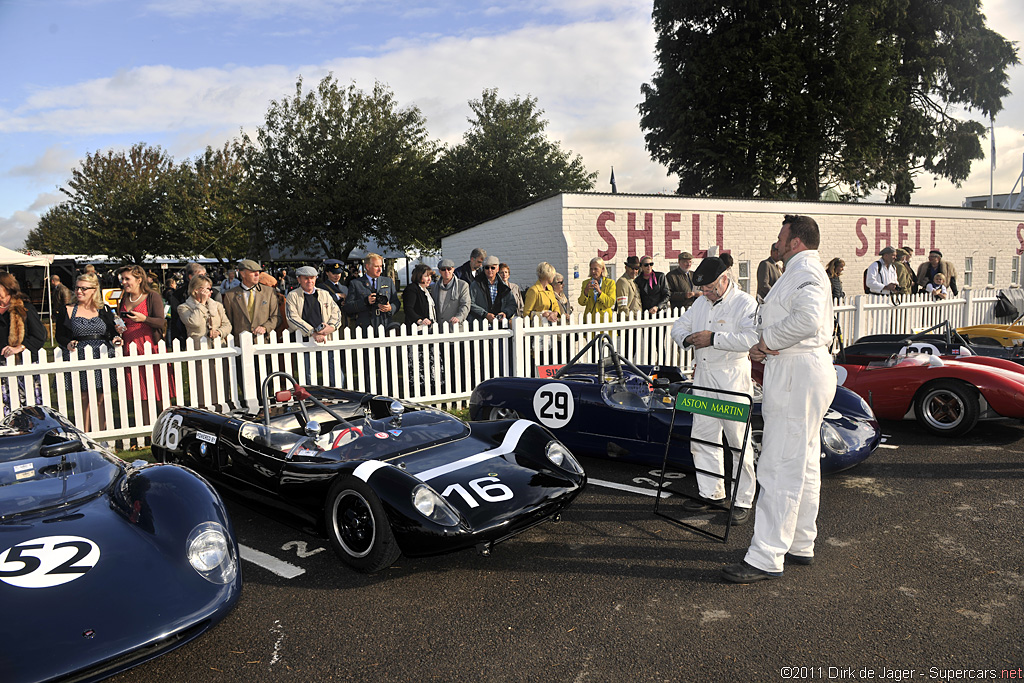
567	230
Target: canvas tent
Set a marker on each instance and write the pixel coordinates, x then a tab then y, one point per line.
9	257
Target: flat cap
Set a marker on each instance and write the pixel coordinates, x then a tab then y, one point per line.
686	256
708	271
936	252
249	264
887	250
306	271
491	261
445	263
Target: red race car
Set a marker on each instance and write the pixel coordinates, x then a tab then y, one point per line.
946	396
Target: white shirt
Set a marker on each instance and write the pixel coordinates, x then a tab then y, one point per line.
880	275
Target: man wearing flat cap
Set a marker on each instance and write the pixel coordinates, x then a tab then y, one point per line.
680	282
905	275
312	312
936	264
331	282
721	326
251	307
881	277
450	294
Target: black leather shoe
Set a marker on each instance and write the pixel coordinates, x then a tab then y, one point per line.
745	573
799	559
701	504
741	515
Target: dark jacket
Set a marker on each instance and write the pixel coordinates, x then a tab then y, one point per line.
62	330
415	305
653	298
365	315
465	273
480	303
35	333
680	284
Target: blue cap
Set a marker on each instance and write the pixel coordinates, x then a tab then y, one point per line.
333	265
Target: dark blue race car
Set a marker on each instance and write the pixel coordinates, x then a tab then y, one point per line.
103	565
615	409
378	477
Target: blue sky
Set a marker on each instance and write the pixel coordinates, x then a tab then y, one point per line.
82	76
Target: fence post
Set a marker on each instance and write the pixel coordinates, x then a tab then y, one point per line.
859	318
517	347
968	315
247	358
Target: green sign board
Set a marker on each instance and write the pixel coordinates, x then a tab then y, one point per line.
727	410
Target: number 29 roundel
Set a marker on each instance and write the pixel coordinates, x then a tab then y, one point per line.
553	405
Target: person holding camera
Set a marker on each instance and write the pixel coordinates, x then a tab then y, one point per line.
372	298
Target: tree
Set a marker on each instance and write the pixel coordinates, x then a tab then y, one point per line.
337	166
116	206
505	160
783	99
207	205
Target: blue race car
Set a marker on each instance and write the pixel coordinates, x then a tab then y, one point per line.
378	477
617	410
103	565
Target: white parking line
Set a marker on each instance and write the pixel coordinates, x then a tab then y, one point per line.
627	487
270	563
885	445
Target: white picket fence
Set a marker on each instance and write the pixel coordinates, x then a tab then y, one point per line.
438	366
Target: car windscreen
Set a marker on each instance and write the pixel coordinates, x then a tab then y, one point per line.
34	482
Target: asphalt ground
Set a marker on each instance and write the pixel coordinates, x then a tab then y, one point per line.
919	575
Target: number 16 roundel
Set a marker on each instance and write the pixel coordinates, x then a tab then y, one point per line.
553	405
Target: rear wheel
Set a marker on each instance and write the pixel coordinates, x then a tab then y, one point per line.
358	527
947	408
496	413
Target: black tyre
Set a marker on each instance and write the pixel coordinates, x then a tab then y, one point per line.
495	413
358	527
947	407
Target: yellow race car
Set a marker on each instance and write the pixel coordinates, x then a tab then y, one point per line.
993	334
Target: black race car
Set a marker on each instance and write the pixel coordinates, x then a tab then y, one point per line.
616	409
379	477
103	565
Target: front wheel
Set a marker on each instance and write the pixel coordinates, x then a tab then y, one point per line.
495	413
358	527
947	408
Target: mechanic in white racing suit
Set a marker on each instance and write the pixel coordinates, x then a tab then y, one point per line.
721	326
795	325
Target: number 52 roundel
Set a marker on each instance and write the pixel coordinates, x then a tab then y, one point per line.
553	405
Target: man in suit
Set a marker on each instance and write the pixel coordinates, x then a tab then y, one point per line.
372	298
680	282
251	307
654	292
768	271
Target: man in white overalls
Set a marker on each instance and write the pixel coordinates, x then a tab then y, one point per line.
721	326
795	325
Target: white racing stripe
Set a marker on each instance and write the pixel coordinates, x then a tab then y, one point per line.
364	470
270	563
627	487
508	445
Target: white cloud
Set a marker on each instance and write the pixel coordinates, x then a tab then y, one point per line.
57	161
45	201
14	230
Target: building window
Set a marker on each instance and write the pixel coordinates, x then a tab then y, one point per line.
968	270
744	276
992	271
1015	270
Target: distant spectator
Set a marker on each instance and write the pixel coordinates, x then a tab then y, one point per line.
20	329
654	292
451	295
203	317
504	272
331	282
142	312
880	277
230	281
59	293
598	295
936	264
680	282
904	273
252	307
87	326
468	271
180	294
834	270
490	298
313	312
627	296
372	298
558	287
540	300
768	271
419	307
937	287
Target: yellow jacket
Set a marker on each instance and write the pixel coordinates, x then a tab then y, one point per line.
605	302
540	298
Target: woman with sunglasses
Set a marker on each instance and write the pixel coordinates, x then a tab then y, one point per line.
87	326
558	287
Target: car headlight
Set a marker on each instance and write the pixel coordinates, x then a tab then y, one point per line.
211	553
560	456
832	439
434	507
